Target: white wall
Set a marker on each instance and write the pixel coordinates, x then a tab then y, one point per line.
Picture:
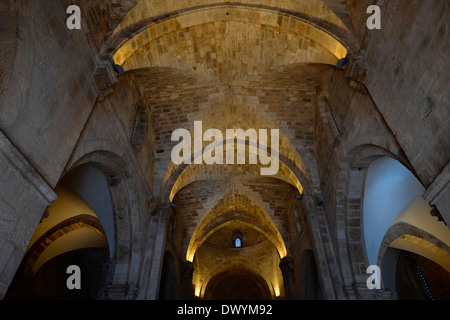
91	185
389	188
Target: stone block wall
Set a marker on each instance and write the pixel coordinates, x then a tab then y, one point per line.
59	108
407	78
23	200
51	89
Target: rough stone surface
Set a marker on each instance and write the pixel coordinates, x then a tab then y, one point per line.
251	64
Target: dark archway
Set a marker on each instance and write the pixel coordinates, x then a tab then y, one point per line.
71	233
237	285
49	283
418	278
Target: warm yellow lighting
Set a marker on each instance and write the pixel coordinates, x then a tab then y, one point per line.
282	250
197	291
423	248
276	289
196	243
198	284
68	205
284	172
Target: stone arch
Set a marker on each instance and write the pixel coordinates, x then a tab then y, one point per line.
439	250
288	172
295	149
320	9
118	10
406	238
419	233
91	184
77	228
292	168
317	15
123	268
323	53
216	214
237	285
250	118
401	235
389	188
349	215
240	265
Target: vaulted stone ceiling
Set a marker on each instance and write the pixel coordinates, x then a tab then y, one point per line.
262	64
232	65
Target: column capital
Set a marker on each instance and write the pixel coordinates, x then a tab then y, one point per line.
104	78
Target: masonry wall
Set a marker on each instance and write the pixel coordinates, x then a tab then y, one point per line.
407	78
401	113
51	80
51	89
105	141
301	243
59	108
23	200
47	90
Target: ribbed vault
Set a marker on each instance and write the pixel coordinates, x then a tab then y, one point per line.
232	65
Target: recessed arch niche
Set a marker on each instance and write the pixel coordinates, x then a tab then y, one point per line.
76	229
402	235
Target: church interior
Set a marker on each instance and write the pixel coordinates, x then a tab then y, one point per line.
359	208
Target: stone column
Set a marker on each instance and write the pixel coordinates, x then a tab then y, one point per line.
324	251
121	292
163	216
287	270
187	292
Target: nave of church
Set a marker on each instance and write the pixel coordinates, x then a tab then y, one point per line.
224	150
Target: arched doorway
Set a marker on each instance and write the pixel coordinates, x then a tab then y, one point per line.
389	188
237	284
76	230
403	235
418	278
246	270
